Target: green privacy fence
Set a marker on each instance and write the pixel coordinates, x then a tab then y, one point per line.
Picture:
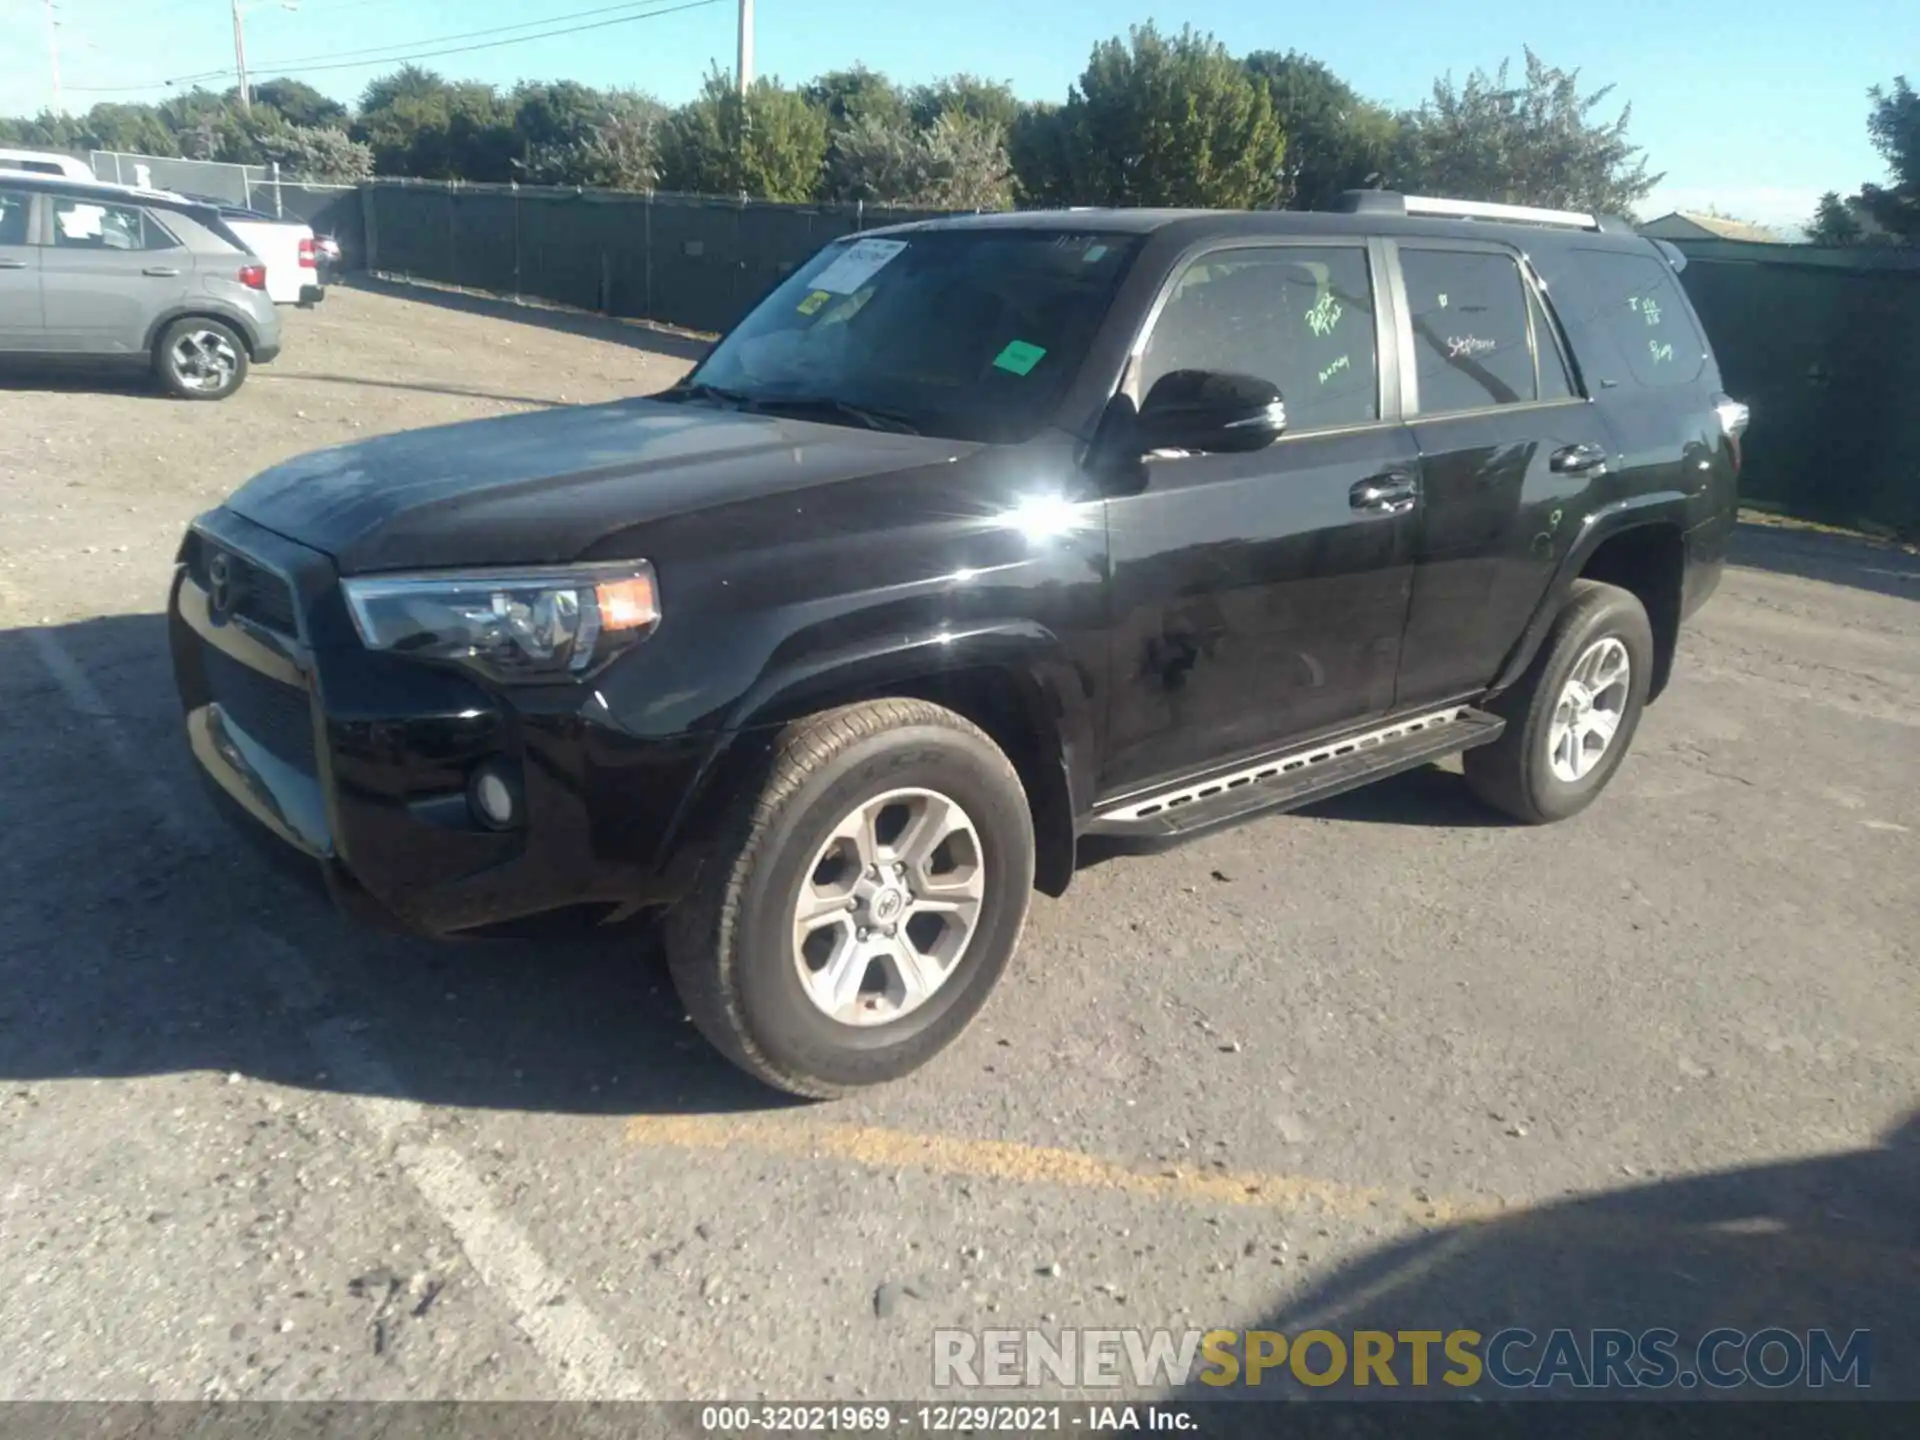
1824	345
683	260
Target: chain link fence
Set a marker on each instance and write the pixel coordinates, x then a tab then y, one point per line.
681	260
330	209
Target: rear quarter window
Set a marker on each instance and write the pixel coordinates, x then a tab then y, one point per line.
1636	302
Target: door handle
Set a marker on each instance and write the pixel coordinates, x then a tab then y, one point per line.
1394	493
160	270
1581	459
13	264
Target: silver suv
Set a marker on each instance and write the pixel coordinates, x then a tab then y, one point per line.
112	272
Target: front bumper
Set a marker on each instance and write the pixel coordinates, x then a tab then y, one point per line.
354	766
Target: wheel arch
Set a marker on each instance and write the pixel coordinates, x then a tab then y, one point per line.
1638	544
1014	680
236	323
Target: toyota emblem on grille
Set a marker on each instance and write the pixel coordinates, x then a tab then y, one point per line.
223	585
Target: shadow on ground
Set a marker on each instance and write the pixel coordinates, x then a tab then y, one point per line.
125	952
673	344
297	378
1881	566
1828	1243
63	376
1431	795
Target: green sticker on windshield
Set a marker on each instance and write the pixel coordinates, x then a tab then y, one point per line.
813	302
1019	357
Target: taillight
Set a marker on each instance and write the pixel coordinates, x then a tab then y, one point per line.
254	277
1733	417
307	261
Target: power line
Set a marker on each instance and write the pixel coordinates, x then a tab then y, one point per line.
375	52
403	59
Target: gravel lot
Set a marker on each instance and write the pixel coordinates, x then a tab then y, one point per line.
1387	1061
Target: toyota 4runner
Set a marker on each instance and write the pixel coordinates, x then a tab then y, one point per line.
978	546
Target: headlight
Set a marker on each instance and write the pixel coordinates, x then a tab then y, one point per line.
530	625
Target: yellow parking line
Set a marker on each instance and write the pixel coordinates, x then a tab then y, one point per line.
1799	1249
880	1148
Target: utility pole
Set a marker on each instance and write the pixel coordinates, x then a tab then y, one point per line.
743	73
53	58
240	59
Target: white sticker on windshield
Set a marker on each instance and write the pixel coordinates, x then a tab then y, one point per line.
857	264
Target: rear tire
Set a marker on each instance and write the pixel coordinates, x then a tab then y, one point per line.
1571	720
197	359
896	809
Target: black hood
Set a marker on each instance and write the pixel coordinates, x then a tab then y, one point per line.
547	486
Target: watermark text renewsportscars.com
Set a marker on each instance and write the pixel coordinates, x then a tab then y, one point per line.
1386	1360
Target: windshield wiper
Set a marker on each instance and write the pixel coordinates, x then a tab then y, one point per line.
799	406
700	390
802	406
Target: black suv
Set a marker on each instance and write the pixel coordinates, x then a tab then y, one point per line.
979	545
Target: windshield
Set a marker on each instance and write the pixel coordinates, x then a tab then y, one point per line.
969	334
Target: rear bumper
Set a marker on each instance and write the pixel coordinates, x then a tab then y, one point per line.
353	767
265	352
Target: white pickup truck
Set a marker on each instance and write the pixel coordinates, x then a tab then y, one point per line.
285	246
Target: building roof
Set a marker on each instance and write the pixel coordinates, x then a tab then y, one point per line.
1692	225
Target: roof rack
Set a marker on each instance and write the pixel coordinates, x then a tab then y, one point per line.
1388	202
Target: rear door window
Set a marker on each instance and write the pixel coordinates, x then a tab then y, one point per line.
1637	302
1470	329
91	225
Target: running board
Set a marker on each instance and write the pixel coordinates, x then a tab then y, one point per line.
1284	781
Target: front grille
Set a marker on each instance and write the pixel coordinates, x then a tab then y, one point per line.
256	593
274	716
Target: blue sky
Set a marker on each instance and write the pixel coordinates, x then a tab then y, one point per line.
1754	105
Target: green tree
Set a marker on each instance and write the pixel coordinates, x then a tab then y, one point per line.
768	144
130	129
1895	127
1037	147
956	163
1535	143
878	161
324	154
849	96
1834	223
1336	141
207	126
969	168
300	103
418	124
612	143
992	101
408	82
1158	120
562	113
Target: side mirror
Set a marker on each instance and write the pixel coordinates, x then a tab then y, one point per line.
1210	411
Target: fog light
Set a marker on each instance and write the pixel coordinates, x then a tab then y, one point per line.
494	798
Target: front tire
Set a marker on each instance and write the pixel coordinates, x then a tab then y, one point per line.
862	904
198	359
1572	719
